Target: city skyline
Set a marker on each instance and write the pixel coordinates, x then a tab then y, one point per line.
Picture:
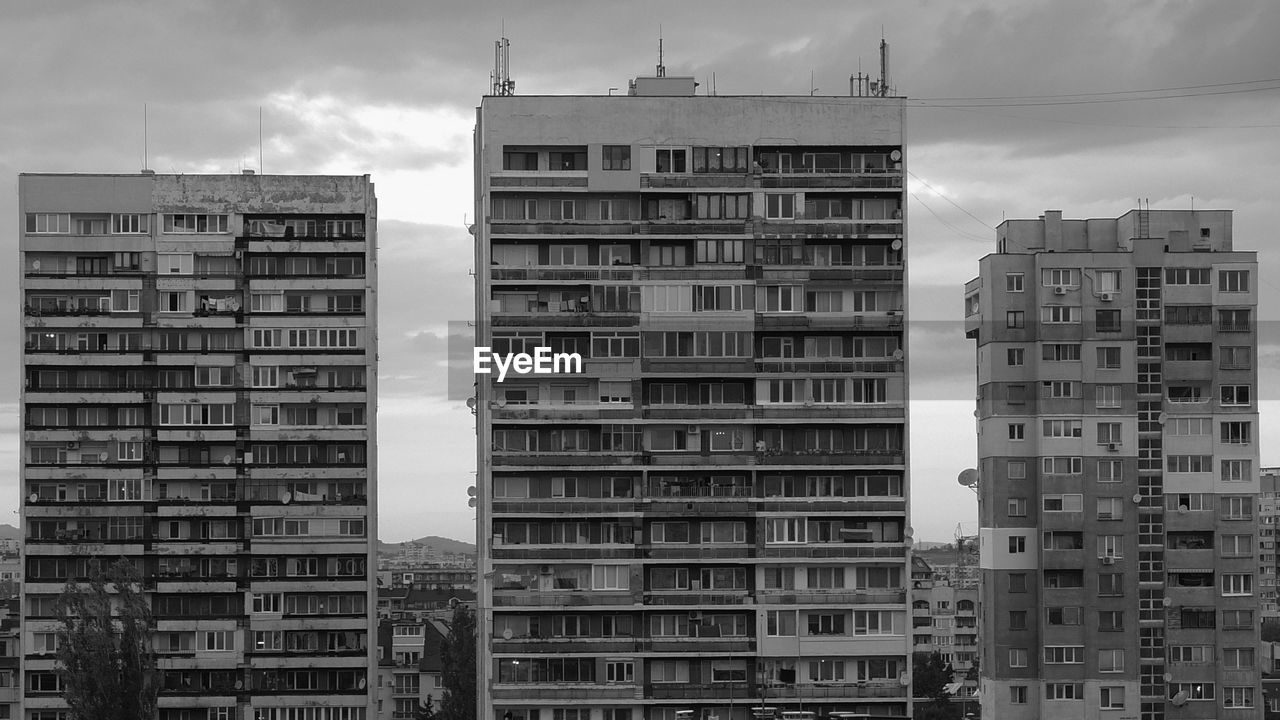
345	91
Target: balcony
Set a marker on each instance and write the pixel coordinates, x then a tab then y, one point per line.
557	320
565	459
835	550
695	644
871	689
563	645
695	552
822	457
699	180
575	506
663	597
536	179
563	692
637	227
697	691
570	274
577	552
837	178
860	597
578	598
827	365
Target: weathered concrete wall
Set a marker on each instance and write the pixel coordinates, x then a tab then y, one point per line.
328	194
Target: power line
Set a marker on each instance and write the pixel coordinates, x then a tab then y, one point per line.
944	197
1100	101
1139	126
962	233
1111	92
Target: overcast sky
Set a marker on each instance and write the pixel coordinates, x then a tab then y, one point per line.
390	89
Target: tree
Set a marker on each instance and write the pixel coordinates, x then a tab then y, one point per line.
105	659
425	710
930	675
458	671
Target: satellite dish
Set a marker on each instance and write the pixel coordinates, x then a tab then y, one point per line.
507	634
471	491
1137	498
898	354
363	683
34	497
286	498
35	265
226	459
1168	602
968	477
1168	677
239	684
471	502
1161	418
896	244
471	403
1183	509
102	456
1180	699
903	680
895	155
502	402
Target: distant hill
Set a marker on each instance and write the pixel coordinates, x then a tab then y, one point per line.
9	532
444	545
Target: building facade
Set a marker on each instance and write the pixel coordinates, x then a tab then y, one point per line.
1118	450
200	383
713	513
944	619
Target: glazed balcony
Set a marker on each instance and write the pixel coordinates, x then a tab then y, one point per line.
577	507
883	596
550	691
577	598
822	457
636	227
836	550
698	691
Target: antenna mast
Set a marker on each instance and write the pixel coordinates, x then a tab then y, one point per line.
884	68
502	84
662	69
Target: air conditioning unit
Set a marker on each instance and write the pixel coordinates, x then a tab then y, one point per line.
73	445
695	614
692	430
1113	447
545	570
1059	290
1106	297
1108	560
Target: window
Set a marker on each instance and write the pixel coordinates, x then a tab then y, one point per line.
1237	697
1108	358
1233	281
1017	544
1063	691
194	223
1186	276
619	671
1064	654
1109	433
781	623
1016	470
669	160
1110	508
1189	463
1018	694
1017	619
1237	619
720	159
1239	658
612	577
1063	503
1236	433
1061	352
1111	621
1013	282
1015	357
1111	697
1110	584
1110	661
1017	507
1110	546
1237	507
1107	281
1237	320
1107	396
1106	320
48	223
1064	277
1015	319
1237	584
1017	431
1237	545
1017	657
1062	428
567	160
1235	358
1060	315
1235	394
616	157
1062	465
1017	582
1061	389
824	301
174	302
1069	615
780	206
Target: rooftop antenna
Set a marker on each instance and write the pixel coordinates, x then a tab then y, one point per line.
260	170
884	66
662	69
146	156
502	84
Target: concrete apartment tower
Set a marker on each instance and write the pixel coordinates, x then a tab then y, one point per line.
199	397
712	516
1118	464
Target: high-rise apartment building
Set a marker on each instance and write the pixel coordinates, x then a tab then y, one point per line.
200	382
712	515
1118	457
